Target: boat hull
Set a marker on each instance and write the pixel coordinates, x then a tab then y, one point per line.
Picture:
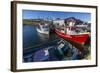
42	31
80	38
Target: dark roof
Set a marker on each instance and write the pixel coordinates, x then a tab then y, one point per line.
73	19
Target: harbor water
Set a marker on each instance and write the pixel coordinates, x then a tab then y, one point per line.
33	38
43	47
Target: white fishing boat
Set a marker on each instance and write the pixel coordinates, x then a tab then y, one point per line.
43	28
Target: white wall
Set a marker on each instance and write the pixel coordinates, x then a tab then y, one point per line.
59	21
5	37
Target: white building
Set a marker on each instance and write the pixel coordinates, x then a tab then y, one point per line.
59	22
65	25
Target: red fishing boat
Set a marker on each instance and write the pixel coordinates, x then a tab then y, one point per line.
78	38
72	29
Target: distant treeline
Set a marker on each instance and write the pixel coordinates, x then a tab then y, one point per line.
35	21
31	21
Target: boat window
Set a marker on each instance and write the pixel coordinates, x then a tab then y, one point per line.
58	24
